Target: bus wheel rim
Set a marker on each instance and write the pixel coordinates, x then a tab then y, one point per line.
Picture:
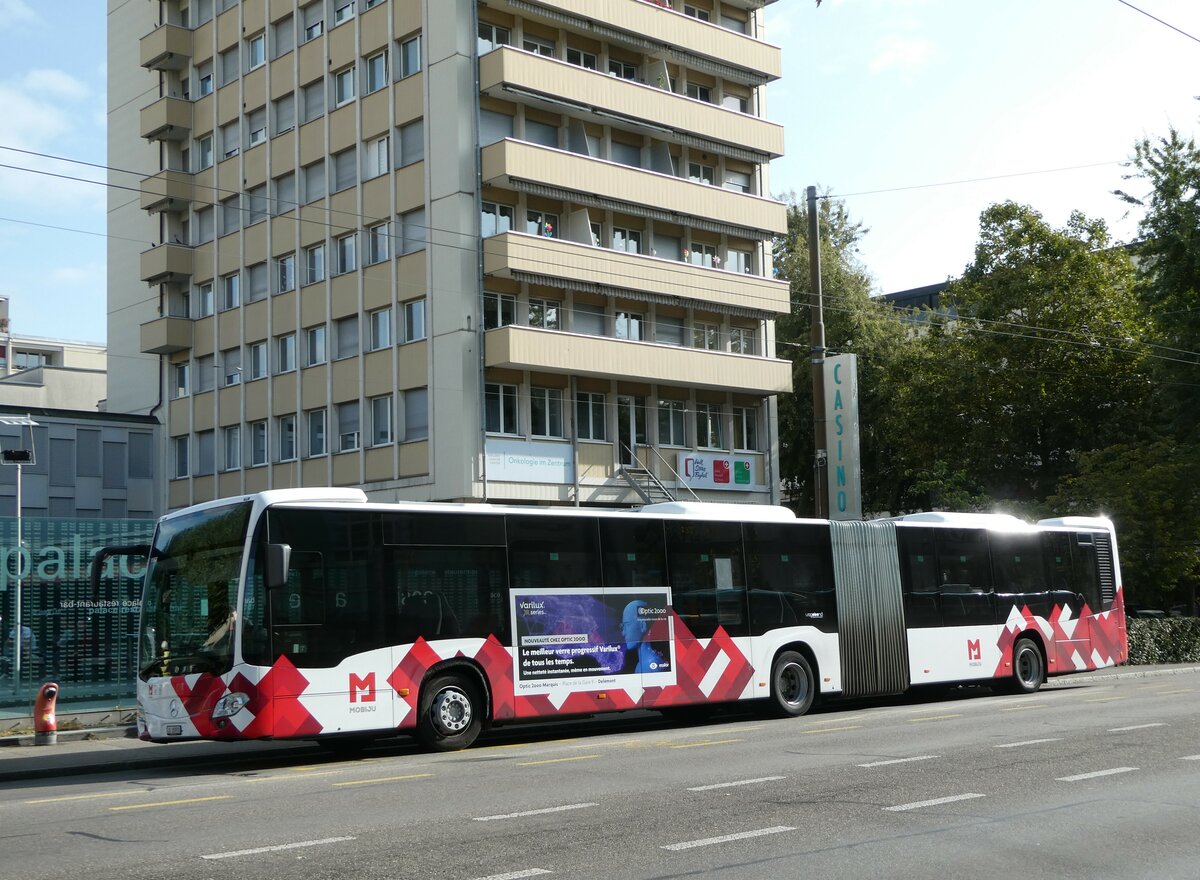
451	711
793	684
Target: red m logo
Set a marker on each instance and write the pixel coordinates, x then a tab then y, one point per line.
363	689
973	652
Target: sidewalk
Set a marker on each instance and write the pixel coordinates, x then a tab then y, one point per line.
110	745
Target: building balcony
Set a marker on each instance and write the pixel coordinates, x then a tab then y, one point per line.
167	191
167	119
551	351
166	262
166	336
561	174
665	30
167	47
557	262
507	70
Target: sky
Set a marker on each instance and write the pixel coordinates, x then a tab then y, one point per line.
887	104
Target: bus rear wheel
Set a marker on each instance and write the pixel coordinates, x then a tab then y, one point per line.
451	713
792	685
1029	670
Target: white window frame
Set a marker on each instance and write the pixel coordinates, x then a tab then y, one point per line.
505	408
382	418
414	320
379	323
316	345
285	433
593	405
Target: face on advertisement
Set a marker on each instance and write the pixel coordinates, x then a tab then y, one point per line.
634	627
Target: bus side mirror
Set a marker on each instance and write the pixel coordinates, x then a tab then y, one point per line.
279	561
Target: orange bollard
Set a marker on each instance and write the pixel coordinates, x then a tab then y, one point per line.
45	723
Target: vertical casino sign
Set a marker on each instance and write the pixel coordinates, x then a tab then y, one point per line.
841	436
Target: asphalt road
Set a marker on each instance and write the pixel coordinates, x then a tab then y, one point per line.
1089	781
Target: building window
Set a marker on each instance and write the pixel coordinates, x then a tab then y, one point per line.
381	420
257	208
414	320
343	87
589	416
416	414
500	408
285	273
543	313
708	426
346	337
496	219
628	240
345	169
258	443
621	70
499	310
375	158
204	79
343	10
230	69
285	353
315	420
314	181
703	255
588	319
739	261
699	93
737	181
347	421
541	223
410	57
376	67
204	152
698	173
312	101
670	423
283	37
231	366
180	379
538	46
283	112
232	441
204	299
696	12
256	51
628	325
668	330
581	59
256	276
314	346
231	291
313	19
285	429
344	249
745	429
231	215
546	412
743	340
257	361
411	143
205	453
206	368
377	243
285	192
256	128
181	457
314	264
492	36
412	231
380	323
706	336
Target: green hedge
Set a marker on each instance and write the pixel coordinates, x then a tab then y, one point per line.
1164	640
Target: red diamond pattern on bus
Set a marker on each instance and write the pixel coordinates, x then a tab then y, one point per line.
694	662
498	667
409	674
283	685
198	697
1105	630
259	706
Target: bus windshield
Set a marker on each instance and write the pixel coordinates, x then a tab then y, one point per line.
188	618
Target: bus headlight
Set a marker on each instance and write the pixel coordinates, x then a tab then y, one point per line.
230	704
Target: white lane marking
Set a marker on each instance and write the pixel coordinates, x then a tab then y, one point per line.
1136	727
540	812
900	761
1081	776
726	838
933	803
1028	742
277	848
1190	758
517	875
739	782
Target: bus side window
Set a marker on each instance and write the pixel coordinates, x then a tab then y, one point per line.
549	551
964	577
708	580
1018	572
918	577
789	572
1083	567
1056	557
633	553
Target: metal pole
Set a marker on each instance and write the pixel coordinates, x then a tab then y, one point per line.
18	642
817	351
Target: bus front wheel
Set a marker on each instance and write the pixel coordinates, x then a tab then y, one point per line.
792	685
451	713
1029	671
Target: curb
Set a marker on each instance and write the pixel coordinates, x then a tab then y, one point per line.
1131	672
85	733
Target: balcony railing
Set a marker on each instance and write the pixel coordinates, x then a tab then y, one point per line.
167	119
166	191
167	47
166	262
166	335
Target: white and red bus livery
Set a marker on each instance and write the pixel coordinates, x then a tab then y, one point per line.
314	613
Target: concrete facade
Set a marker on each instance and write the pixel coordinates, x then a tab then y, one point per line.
449	250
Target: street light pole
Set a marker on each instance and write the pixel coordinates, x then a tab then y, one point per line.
816	338
18	457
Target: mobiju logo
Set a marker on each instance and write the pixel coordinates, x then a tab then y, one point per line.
362	689
973	651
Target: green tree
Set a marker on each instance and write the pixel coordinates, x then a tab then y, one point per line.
854	322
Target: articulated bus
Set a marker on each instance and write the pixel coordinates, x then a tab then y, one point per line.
313	613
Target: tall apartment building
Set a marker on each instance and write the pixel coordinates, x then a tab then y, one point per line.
514	250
